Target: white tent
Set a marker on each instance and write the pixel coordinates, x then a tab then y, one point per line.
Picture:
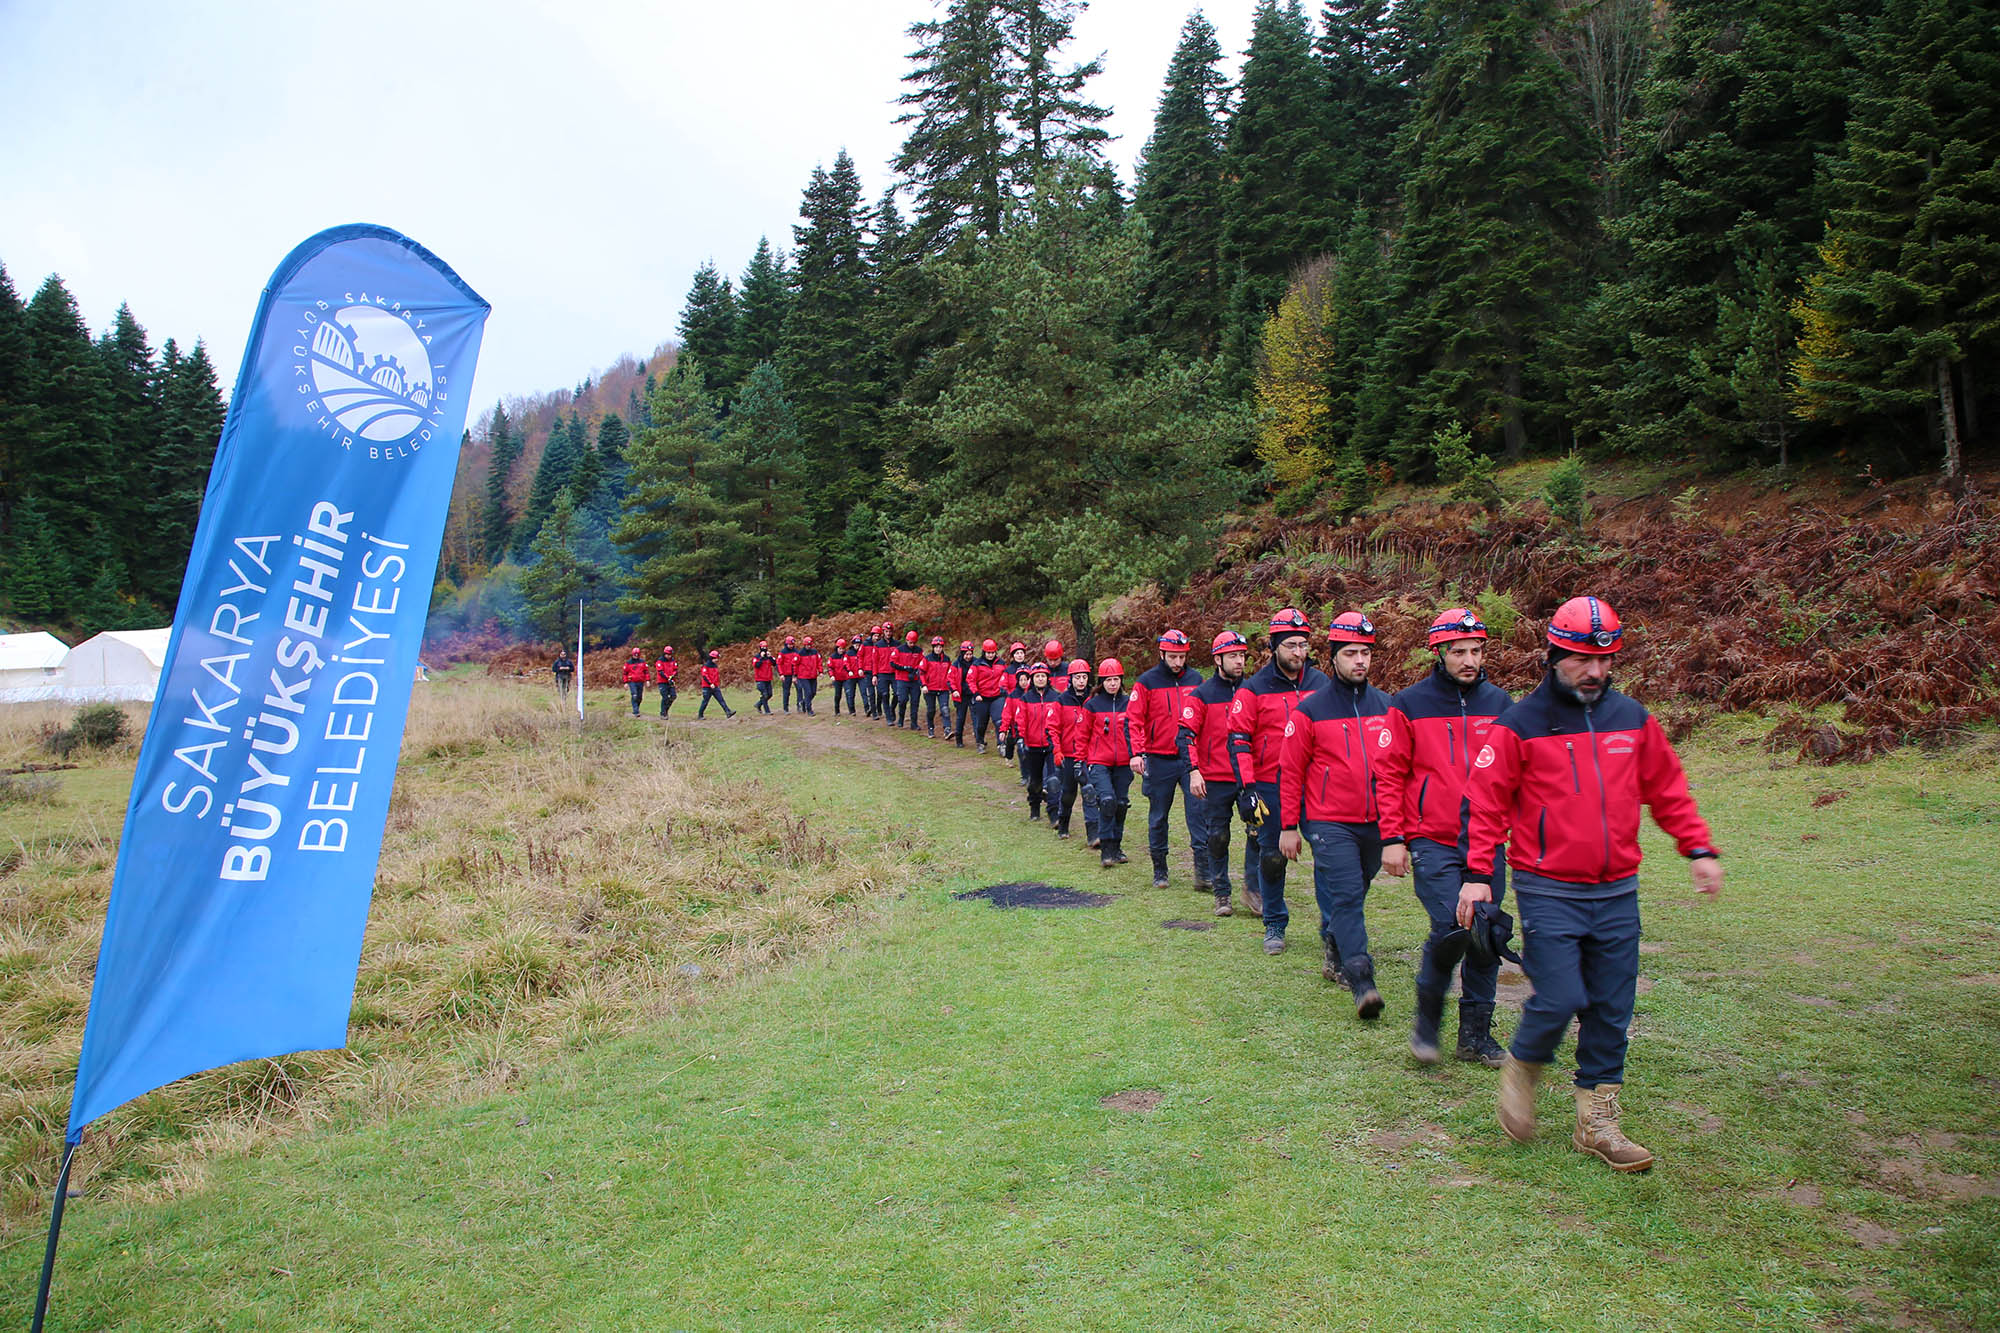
117	665
30	667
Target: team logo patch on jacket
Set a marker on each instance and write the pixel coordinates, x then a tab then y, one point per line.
1485	759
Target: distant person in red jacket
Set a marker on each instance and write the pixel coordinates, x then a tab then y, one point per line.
1157	699
635	678
1108	748
665	668
805	669
711	686
961	693
1560	781
788	668
1327	796
1258	715
1038	726
763	670
906	663
839	671
1202	740
885	675
935	674
988	693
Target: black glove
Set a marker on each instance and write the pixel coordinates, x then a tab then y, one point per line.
1246	805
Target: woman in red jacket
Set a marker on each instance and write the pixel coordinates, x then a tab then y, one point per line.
935	672
1108	736
1038	727
711	685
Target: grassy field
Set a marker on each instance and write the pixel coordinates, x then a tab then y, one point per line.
876	1105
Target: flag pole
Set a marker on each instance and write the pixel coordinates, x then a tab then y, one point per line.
55	1232
579	659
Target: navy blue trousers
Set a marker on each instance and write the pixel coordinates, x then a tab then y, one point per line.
1114	785
1218	813
1583	956
1438	872
1346	858
1165	775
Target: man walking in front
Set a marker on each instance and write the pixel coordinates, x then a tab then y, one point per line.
1258	715
1073	741
788	669
635	674
1439	724
1560	781
805	671
763	670
665	671
1158	697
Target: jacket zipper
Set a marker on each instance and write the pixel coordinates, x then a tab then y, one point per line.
1575	782
1603	797
1367	769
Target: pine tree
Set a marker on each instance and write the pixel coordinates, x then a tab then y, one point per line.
1079	465
763	301
1496	208
708	328
128	508
778	570
612	437
861	571
505	438
17	408
587	477
35	579
1180	196
828	357
560	574
955	155
1280	206
69	457
1916	222
557	470
191	419
1740	104
1046	105
1361	52
676	527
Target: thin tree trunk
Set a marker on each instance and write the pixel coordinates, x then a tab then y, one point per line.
1954	462
1086	634
1968	397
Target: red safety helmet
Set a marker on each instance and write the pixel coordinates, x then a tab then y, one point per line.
1287	621
911	637
668	650
1079	665
989	647
937	640
1017	647
714	656
1041	669
1173	641
1110	666
1586	625
1457	623
965	645
840	643
1229	641
790	639
1052	650
808	641
1351	627
763	643
638	652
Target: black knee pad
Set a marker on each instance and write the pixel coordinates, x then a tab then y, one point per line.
1272	867
1448	945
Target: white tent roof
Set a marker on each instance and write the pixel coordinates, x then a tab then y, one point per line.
31	652
115	665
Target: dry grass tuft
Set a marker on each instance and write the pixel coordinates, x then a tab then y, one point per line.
541	888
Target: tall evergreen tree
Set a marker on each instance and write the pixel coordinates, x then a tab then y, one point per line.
560	572
130	504
1280	201
1496	208
763	301
1741	103
1914	293
36	583
861	573
708	327
1046	105
1079	465
677	527
1180	196
505	438
554	474
955	155
828	357
1362	52
17	408
612	437
778	558
69	455
191	417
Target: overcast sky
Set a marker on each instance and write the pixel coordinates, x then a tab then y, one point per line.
573	160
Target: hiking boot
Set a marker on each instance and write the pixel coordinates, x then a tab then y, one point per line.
1329	964
1517	1097
1274	943
1118	850
1094	843
1360	971
1253	902
1159	871
1159	880
1222	907
1424	1031
982	747
1107	854
1598	1134
1475	1035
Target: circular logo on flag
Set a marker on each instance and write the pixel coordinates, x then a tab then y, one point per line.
369	369
1485	759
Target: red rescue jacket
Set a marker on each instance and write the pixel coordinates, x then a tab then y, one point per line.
1074	737
711	677
1423	776
985	679
905	661
1326	764
636	672
1038	719
1561	786
788	662
665	669
763	666
806	665
1157	699
1108	735
1258	712
936	672
1202	738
